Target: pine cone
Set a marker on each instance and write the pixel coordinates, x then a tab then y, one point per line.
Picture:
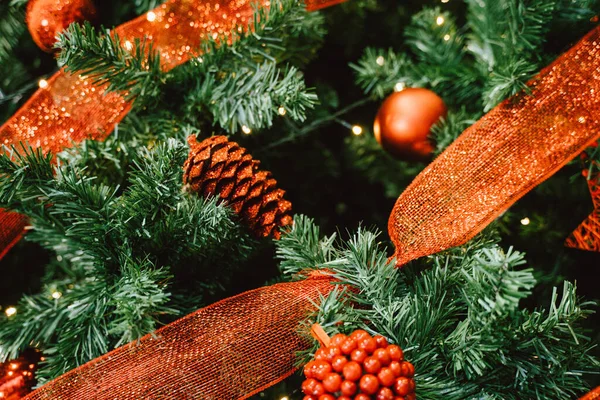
217	166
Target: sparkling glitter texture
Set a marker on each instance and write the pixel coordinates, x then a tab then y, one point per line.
230	350
12	226
71	109
513	148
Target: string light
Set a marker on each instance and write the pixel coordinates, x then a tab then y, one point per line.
400	86
446	37
151	16
357	130
281	110
43	84
246	130
10	311
285	398
44	22
380	60
445	1
439	20
56	295
128	45
525	221
14	365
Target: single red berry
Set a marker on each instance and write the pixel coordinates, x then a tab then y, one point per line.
372	365
352	371
369	384
362	396
381	341
408	369
326	396
386	377
321	369
308	369
338	363
358	355
337	339
395	352
309	385
321	354
396	368
348	388
367	344
348	345
383	356
332	382
402	386
331	352
360	334
309	397
385	394
344	398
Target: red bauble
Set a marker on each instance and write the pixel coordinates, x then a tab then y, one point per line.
404	121
358	367
47	18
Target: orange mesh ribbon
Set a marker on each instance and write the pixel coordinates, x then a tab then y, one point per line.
513	148
230	350
71	109
593	395
587	234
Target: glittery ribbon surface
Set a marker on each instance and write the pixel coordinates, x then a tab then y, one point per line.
70	108
509	151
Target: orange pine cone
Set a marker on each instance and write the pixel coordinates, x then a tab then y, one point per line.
219	167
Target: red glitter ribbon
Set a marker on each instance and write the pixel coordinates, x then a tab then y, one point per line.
70	108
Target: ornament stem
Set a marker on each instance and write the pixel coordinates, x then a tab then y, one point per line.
319	333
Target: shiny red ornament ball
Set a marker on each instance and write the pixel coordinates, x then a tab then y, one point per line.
404	120
48	18
359	367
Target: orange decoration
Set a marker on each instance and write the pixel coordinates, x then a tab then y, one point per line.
46	19
404	121
587	235
229	350
593	395
520	143
70	108
17	376
380	375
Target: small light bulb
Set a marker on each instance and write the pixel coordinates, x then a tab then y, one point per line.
525	221
445	1
281	110
31	366
400	86
151	16
43	84
13	366
246	130
285	398
44	22
357	130
380	60
439	20
10	311
56	295
128	45
10	373
1	395
446	37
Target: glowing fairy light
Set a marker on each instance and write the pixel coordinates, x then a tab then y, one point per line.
357	130
246	130
439	20
10	311
281	110
380	60
151	16
56	295
43	84
525	221
400	86
128	45
446	37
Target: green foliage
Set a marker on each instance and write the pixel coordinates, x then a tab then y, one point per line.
119	249
458	318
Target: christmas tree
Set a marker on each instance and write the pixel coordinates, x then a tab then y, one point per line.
198	150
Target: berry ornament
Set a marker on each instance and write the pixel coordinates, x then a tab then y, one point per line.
48	18
357	367
404	121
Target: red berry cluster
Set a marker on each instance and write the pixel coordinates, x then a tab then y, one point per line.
359	367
